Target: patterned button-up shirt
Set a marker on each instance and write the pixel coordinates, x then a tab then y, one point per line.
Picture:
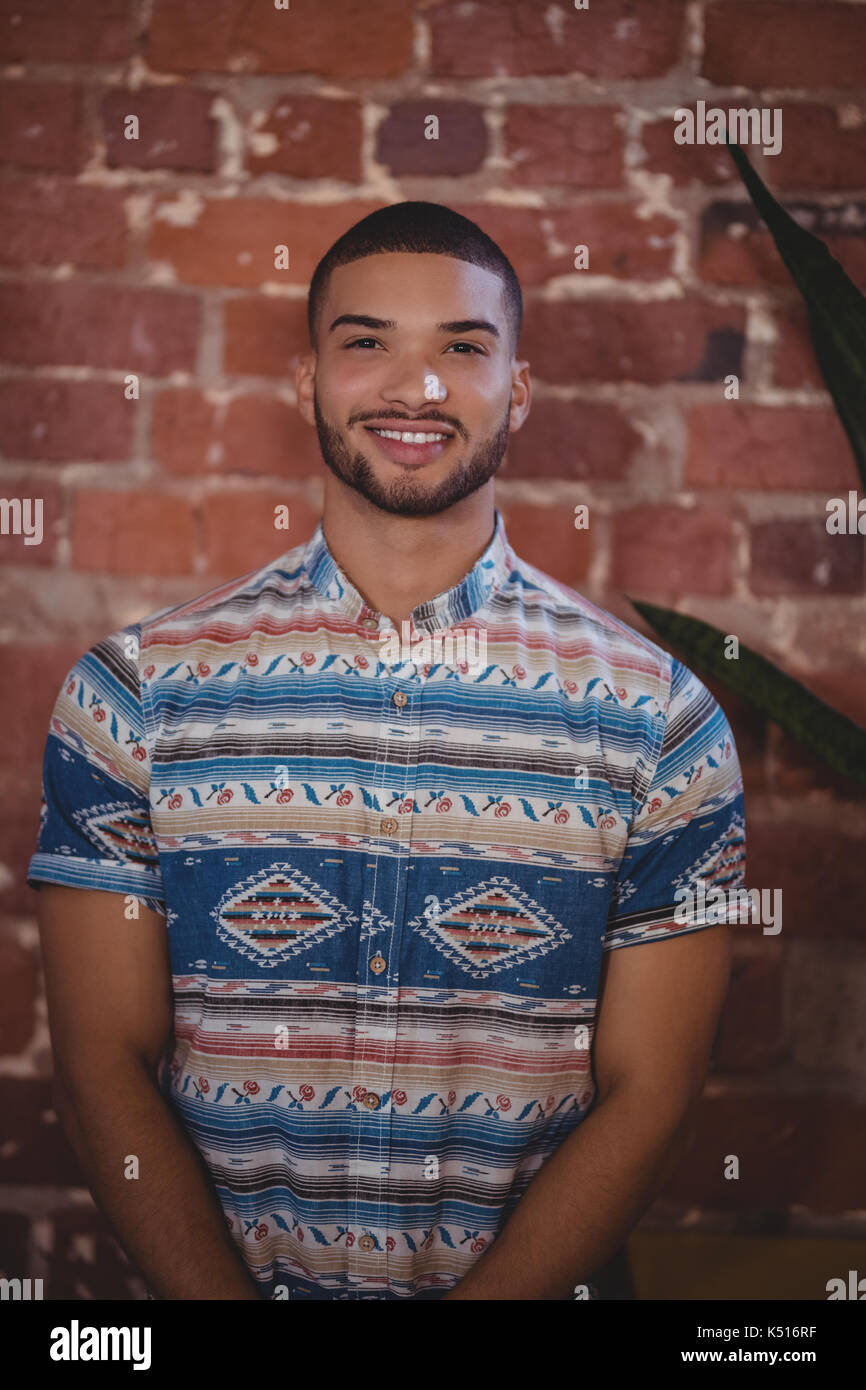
389	867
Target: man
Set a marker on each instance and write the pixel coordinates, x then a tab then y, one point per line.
407	1056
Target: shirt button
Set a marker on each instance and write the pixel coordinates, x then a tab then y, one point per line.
378	964
400	698
366	1243
371	1100
388	825
369	623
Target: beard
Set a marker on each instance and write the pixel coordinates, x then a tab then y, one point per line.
407	495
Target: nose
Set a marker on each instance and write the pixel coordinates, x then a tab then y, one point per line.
413	386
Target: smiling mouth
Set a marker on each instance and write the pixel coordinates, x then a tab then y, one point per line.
411	448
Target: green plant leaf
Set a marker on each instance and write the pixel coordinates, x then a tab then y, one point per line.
820	728
836	308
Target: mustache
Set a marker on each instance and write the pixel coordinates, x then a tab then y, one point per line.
438	419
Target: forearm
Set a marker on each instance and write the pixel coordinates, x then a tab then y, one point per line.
581	1204
168	1219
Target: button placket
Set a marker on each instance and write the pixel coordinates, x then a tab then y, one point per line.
396	772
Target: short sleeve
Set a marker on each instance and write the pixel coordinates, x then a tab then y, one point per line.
94	820
687	843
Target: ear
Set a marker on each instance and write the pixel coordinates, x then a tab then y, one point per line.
305	380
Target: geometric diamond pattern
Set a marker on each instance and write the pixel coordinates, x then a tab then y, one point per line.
276	913
491	926
720	863
126	834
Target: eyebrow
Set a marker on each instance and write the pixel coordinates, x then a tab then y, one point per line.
454	326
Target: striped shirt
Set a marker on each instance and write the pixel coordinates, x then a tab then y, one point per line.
389	871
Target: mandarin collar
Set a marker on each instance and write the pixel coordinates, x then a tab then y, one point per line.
454	605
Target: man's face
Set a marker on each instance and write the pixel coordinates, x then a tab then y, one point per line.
431	356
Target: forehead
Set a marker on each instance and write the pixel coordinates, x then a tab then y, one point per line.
415	290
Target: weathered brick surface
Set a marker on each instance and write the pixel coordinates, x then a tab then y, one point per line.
793	1150
572	439
154	259
175	128
133	532
619	39
459	148
42	125
800	557
774	44
17	994
93	325
619	340
308	138
81	31
734	444
50	223
735	250
671	551
578	147
341	40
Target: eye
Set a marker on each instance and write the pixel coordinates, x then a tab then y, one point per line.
356	342
473	347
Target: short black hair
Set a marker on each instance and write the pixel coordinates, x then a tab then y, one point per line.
422	228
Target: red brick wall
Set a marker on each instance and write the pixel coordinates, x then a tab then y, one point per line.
155	258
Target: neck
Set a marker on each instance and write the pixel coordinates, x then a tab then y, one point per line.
398	562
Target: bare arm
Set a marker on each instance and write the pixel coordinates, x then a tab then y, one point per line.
660	1005
108	982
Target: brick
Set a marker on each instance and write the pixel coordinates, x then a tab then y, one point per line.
735	250
14	1244
802	776
80	31
42	125
50	224
53	420
231	241
826	1023
820	873
402	146
546	537
578	146
572	439
74	1276
343	39
817	150
795	363
619	340
308	138
521	234
750	1030
38	670
770	43
13	548
540	244
264	336
240	533
176	129
738	445
619	39
35	1149
800	557
18	982
668	550
145	330
133	532
795	1150
844	689
710	164
254	433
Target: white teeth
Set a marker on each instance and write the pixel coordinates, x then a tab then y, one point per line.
409	438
